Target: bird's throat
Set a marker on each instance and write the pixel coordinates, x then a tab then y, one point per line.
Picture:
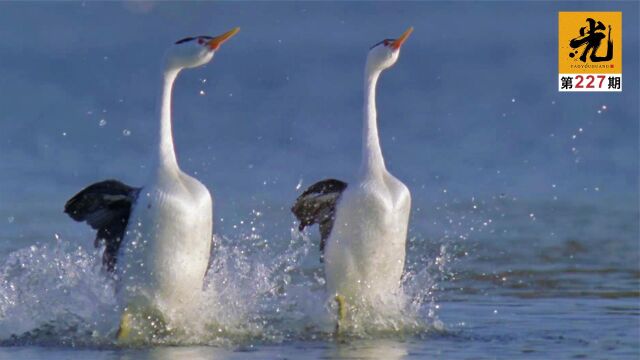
166	157
372	160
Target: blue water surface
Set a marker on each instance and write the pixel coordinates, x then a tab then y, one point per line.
524	238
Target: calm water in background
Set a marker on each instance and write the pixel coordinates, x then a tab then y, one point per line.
524	230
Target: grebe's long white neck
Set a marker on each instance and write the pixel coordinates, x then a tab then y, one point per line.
372	160
363	225
158	243
381	56
166	156
187	53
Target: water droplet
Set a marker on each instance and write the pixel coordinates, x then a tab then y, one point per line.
513	100
11	219
202	92
102	122
126	132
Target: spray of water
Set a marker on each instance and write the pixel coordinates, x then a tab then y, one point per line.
255	290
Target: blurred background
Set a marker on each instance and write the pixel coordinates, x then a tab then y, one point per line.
502	167
471	107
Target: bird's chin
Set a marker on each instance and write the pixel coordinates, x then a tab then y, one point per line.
202	61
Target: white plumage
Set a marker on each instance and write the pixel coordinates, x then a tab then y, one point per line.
364	253
166	248
161	257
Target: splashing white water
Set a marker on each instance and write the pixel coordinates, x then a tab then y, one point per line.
53	287
57	293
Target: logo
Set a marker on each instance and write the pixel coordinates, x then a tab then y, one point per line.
590	51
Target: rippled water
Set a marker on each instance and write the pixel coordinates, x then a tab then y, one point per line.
515	287
524	235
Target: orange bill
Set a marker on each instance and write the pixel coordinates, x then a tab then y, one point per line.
215	43
397	43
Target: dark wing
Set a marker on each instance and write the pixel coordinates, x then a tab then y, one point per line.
106	207
317	205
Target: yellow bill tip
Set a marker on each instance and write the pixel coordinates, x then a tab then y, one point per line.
400	40
215	43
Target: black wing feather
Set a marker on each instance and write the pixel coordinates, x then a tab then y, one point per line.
106	207
317	205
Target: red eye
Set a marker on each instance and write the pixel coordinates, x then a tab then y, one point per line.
386	43
200	41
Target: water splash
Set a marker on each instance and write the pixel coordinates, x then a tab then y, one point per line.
54	292
256	290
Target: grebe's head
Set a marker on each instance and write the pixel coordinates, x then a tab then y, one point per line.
385	53
195	51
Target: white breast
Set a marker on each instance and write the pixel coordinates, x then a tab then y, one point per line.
365	253
166	249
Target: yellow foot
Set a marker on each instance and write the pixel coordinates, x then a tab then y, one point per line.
140	324
342	313
125	326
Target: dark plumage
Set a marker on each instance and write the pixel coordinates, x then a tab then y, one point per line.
317	205
191	38
106	207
